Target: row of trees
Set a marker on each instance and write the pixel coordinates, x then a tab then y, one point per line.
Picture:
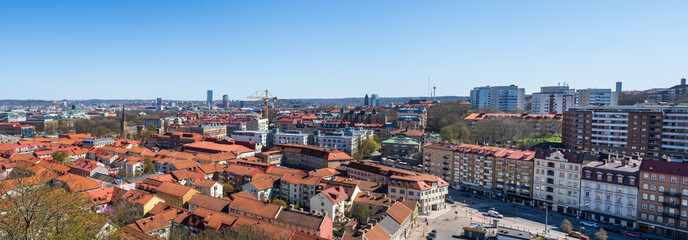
447	118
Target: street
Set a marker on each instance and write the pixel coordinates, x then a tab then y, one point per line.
450	221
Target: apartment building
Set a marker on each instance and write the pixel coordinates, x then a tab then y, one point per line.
171	140
663	198
609	191
309	157
504	98
293	137
513	174
428	190
438	160
557	179
218	131
299	188
13	128
596	97
653	132
257	124
399	146
420	113
258	138
364	116
552	100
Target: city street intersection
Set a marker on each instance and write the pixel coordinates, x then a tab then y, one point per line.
465	211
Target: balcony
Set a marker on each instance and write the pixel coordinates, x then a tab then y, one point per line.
670	204
445	168
669	194
445	163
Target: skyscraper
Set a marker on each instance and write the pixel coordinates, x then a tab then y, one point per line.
374	100
618	87
209	101
158	102
366	101
225	101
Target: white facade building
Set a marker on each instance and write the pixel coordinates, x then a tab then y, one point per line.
294	137
259	138
609	191
557	178
551	103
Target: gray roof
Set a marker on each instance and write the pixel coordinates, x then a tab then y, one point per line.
389	224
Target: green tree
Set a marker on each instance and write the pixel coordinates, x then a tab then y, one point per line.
228	189
566	226
601	234
362	212
365	148
456	132
61	157
148	166
280	202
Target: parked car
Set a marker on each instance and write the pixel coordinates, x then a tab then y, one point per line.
590	224
578	235
611	229
631	234
493	213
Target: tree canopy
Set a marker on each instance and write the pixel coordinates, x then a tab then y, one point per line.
38	211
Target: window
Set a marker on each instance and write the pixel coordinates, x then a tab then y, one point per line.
653	177
631	181
662	178
646	176
619	180
674	180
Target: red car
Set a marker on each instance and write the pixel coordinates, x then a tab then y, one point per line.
630	234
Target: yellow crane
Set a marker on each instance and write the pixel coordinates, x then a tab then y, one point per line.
265	96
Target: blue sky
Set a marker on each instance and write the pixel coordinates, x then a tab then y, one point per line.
312	49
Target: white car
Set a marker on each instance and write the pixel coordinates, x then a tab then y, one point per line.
590	224
495	214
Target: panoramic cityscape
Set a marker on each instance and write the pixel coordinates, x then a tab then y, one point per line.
388	120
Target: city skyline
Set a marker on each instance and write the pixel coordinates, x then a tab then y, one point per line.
179	49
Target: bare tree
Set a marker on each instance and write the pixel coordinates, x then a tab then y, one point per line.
34	210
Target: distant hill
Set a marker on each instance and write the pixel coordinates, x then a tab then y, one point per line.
295	102
383	100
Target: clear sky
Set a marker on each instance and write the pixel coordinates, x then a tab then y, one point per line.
319	49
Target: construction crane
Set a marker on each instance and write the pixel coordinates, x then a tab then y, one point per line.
265	96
